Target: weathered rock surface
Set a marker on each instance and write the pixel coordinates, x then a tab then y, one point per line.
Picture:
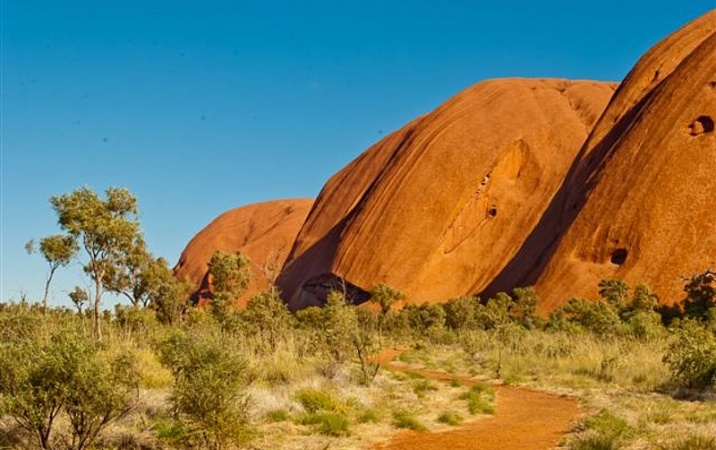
639	205
262	231
439	207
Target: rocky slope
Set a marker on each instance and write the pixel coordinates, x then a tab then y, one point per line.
439	207
263	231
639	204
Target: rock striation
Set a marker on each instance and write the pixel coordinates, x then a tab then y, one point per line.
439	207
638	205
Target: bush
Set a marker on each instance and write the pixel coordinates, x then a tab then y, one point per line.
314	400
450	418
405	419
692	356
208	393
479	399
328	423
70	372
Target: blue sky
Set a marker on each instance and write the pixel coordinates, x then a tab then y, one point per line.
202	106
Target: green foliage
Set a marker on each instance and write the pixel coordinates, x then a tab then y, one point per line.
460	313
328	423
450	418
691	357
209	391
107	230
315	400
67	372
424	319
525	305
604	431
340	326
600	318
79	297
230	275
277	415
405	419
58	250
615	292
385	297
267	316
700	295
479	399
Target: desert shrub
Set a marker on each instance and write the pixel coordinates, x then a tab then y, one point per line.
600	318
340	325
208	394
700	295
460	313
450	418
70	373
405	419
267	317
525	305
691	357
644	325
423	319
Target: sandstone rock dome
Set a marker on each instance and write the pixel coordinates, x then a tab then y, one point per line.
639	204
262	231
439	207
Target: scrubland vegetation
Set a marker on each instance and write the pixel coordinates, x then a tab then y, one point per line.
162	373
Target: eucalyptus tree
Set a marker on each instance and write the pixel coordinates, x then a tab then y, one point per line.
107	230
58	250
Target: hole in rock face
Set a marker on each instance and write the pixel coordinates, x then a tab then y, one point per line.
619	256
703	124
492	211
319	287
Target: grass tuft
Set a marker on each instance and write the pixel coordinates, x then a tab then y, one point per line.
405	419
450	418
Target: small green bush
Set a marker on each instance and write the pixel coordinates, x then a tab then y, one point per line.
450	418
479	399
692	356
405	419
314	400
420	387
328	423
277	415
368	416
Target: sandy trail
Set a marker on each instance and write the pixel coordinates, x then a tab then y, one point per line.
524	420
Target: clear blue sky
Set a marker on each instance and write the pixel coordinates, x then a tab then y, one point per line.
201	106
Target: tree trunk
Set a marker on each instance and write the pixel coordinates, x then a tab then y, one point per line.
96	324
47	291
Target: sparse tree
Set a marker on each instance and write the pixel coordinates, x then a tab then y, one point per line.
385	297
58	251
106	229
79	297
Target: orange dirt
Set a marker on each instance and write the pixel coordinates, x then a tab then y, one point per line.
524	420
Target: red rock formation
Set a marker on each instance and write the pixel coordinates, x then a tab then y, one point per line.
262	231
438	208
639	204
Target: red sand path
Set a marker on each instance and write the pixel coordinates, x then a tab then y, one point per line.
524	420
